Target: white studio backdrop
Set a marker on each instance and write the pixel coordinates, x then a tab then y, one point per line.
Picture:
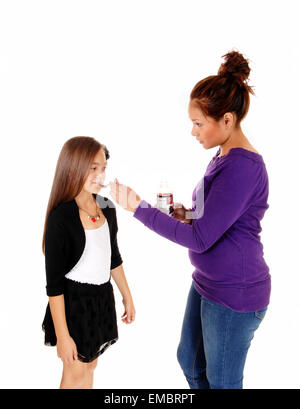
122	71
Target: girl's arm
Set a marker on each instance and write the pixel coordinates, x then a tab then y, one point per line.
66	347
119	277
117	272
57	308
55	271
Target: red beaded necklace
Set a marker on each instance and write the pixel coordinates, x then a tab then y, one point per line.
91	217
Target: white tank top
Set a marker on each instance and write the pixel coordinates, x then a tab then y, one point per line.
93	266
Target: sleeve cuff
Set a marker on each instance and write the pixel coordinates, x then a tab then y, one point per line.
116	262
141	211
53	292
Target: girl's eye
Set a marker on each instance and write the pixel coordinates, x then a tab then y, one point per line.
198	124
93	168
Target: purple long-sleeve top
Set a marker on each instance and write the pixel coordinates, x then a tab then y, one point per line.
223	239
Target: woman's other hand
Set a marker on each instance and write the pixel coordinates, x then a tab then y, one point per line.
179	213
124	196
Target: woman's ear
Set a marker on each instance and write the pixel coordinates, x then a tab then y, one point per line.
228	119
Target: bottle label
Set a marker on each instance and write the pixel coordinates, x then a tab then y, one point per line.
164	200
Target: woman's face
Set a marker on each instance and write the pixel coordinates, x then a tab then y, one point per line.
207	130
96	175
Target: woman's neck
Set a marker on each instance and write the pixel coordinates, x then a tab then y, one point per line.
235	140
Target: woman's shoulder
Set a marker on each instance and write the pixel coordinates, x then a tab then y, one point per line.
237	159
237	170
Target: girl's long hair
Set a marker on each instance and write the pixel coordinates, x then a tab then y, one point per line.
73	164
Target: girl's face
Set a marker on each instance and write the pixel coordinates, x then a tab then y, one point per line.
207	130
96	175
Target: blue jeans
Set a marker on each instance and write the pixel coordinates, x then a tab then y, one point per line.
214	343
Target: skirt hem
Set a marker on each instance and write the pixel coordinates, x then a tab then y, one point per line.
83	358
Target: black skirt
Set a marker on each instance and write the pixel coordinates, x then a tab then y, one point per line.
91	318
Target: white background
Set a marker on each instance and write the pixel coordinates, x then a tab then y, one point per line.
122	72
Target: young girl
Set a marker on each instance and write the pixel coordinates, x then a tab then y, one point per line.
231	286
81	255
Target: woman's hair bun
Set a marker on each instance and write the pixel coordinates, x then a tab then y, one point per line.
235	65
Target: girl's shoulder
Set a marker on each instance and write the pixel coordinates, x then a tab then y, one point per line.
66	213
61	215
55	221
58	212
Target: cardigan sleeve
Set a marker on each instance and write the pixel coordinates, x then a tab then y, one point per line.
54	257
231	193
116	258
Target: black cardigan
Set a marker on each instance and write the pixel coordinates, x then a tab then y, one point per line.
65	241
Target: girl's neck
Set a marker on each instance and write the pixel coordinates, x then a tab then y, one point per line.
86	200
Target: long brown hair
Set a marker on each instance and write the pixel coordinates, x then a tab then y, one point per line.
228	91
74	161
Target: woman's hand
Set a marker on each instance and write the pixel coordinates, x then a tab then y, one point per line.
129	313
124	196
179	213
66	349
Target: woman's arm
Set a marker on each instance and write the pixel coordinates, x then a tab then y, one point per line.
233	190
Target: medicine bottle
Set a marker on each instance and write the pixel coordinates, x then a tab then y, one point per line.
165	197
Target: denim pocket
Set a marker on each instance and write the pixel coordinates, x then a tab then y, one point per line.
261	313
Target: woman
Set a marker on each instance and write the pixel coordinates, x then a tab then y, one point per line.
231	284
81	254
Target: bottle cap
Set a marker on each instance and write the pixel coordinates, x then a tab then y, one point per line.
164	187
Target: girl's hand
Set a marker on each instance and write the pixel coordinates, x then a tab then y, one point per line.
66	349
179	213
129	313
124	196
